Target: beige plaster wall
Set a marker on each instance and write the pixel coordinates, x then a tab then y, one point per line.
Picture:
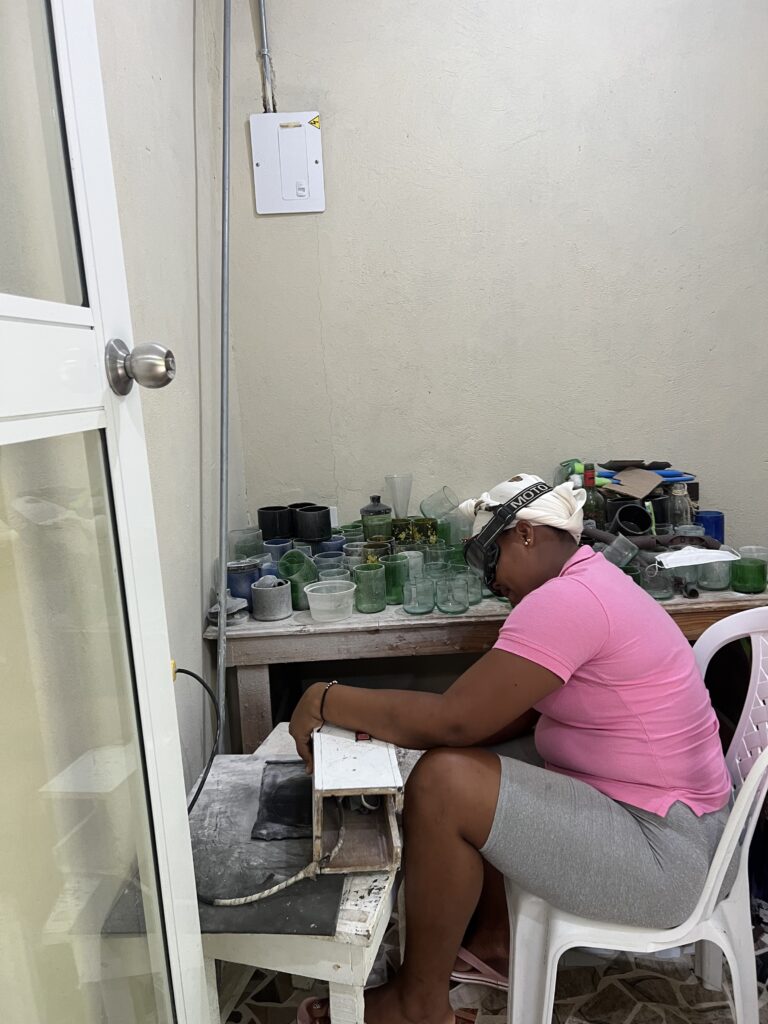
545	236
160	69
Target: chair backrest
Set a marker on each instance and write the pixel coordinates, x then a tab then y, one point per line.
747	756
751	735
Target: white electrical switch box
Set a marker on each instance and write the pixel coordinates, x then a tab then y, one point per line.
287	158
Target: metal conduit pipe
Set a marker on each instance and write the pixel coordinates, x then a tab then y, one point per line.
221	652
266	62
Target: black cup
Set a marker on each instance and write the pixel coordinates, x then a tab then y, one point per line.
275	521
313	522
294	519
631	520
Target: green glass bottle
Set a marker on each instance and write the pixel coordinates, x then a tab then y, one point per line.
594	506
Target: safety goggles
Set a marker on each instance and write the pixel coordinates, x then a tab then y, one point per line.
482	551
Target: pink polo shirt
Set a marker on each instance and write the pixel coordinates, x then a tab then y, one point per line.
633	718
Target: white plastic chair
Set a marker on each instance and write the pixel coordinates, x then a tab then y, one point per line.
541	933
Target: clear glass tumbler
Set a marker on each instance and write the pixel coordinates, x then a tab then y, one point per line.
328	560
658	582
335	574
396	573
439	504
452	595
474	582
371	593
399	487
419	595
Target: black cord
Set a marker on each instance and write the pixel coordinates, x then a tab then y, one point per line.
214	701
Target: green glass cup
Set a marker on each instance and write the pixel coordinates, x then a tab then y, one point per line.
444	530
395	573
377	526
371	593
632	571
425	530
355	536
299	570
402	531
748	575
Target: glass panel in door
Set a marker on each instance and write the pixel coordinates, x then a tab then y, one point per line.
39	245
81	933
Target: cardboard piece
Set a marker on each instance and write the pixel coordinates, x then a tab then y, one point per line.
635	483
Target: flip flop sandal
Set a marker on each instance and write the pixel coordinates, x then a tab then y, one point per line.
303	1016
480	973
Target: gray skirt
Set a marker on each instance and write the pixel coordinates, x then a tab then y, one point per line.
564	841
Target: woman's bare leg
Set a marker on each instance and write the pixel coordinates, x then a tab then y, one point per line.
449	807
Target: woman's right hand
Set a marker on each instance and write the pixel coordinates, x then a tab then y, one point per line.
304	720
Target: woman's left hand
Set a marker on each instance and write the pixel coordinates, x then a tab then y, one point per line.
304	720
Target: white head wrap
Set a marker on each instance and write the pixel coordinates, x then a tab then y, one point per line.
560	508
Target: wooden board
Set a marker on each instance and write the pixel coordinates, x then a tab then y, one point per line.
345	766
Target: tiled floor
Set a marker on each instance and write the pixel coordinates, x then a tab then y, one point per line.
621	990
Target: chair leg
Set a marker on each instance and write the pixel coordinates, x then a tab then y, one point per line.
531	971
708	965
740	951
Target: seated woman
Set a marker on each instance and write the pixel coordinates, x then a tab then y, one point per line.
619	814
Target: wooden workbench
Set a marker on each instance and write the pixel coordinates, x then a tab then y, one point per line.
254	646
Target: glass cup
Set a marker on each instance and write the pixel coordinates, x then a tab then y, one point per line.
402	531
330	601
245	543
436	570
335	574
621	551
350	561
664	529
715	575
419	595
371	593
633	571
374	550
748	575
415	562
439	504
277	547
328	559
299	570
658	582
299	545
424	530
399	487
444	530
452	595
690	530
474	582
352	534
334	544
354	548
377	526
437	552
455	555
750	551
396	573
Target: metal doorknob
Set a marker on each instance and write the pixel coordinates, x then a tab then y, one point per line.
151	365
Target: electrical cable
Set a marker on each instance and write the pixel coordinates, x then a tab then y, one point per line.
215	747
310	871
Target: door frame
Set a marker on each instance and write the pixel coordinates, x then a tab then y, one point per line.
54	382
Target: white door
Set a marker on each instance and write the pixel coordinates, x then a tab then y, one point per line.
98	914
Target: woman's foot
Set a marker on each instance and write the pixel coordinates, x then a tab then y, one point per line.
389	1005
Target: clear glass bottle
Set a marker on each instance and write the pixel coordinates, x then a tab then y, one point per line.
680	510
594	506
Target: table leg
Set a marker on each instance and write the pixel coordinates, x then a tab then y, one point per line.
347	1003
254	705
214	1013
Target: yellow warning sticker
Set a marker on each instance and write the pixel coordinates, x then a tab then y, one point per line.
315	122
